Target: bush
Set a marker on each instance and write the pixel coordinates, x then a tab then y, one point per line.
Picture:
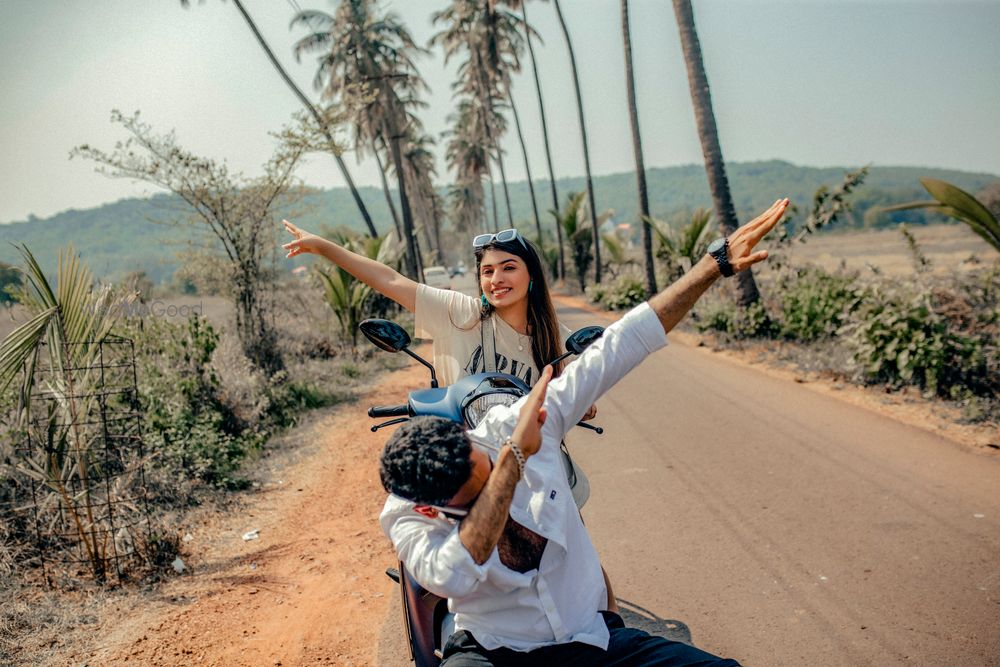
727	318
814	304
943	340
624	293
191	432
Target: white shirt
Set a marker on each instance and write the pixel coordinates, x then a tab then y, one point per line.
559	602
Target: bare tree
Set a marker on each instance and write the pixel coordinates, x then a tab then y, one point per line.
239	212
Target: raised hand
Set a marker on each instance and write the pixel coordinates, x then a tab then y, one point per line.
304	241
745	239
528	432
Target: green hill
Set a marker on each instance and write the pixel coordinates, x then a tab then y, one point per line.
130	234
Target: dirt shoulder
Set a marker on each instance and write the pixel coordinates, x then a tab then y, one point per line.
310	590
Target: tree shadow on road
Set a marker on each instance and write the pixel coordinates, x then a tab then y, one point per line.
643	619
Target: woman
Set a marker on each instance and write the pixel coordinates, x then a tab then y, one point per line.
512	322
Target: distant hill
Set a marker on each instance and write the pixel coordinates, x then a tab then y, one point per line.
129	234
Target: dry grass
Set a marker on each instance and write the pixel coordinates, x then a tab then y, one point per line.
40	627
948	247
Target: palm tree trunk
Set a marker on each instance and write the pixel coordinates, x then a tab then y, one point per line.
545	141
586	150
493	200
419	205
527	167
315	114
436	221
412	261
503	183
492	142
388	193
715	168
640	167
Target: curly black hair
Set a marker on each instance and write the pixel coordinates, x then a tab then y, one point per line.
427	460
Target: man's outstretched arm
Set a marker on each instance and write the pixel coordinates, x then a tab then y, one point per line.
673	303
630	340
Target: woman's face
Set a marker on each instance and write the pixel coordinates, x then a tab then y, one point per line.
503	277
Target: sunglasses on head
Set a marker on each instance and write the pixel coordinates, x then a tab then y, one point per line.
505	236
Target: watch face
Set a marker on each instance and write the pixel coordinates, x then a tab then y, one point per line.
716	245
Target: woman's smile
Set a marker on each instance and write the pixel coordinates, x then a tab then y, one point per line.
504	278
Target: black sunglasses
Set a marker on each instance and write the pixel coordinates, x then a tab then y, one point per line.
505	236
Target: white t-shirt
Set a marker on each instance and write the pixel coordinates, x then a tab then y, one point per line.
451	319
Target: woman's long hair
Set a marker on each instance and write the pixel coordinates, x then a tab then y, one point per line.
546	342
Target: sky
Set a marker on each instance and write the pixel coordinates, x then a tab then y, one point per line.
890	82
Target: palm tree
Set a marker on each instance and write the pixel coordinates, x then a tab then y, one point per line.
462	32
578	236
467	155
527	168
466	204
493	204
349	298
317	116
640	167
561	272
586	150
701	98
385	189
376	55
420	170
490	37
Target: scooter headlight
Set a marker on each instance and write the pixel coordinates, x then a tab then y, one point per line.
480	405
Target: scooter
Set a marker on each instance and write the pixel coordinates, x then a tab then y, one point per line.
426	617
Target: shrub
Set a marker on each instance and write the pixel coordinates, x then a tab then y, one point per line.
191	432
814	304
728	318
935	338
624	293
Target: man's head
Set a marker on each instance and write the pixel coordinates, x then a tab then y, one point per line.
431	461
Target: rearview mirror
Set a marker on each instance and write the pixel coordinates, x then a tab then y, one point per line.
582	338
386	335
578	342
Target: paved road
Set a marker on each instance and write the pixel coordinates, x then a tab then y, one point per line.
783	527
765	522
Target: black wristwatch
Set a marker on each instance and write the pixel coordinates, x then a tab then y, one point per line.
719	250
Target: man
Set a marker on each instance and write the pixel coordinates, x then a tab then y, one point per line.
486	518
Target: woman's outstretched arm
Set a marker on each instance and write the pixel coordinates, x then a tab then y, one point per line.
381	278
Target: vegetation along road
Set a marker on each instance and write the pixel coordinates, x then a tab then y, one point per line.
748	514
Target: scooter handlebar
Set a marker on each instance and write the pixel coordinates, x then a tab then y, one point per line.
381	411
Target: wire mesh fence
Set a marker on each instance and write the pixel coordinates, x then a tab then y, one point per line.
77	462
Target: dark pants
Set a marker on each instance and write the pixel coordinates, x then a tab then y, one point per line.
628	647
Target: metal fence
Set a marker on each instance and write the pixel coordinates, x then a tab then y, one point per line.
78	463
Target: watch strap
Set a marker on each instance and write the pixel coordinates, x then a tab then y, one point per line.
721	257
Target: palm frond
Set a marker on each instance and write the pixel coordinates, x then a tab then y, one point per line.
20	344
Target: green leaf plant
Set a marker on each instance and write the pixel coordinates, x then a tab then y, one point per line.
959	204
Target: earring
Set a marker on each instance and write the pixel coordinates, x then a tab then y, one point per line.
530	284
482	298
